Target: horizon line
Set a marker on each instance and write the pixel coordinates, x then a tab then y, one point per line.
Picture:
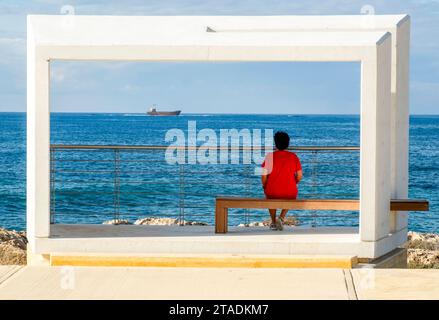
212	113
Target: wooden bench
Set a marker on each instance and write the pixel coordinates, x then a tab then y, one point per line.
224	203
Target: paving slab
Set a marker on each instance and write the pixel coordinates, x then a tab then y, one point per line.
7	271
396	283
174	283
33	282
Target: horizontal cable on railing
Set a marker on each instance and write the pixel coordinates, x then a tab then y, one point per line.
156	147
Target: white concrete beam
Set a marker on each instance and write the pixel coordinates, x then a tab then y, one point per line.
400	121
38	144
375	143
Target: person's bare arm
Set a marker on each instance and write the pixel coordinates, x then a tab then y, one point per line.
264	178
299	176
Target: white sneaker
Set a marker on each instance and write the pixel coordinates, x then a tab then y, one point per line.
279	224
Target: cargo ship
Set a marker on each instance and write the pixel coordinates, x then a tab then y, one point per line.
153	112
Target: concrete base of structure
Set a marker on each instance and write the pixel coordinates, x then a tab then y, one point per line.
34	259
396	259
166	242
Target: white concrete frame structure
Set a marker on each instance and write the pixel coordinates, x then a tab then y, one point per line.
379	43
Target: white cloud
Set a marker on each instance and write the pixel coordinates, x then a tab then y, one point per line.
11	41
12	53
131	87
57	75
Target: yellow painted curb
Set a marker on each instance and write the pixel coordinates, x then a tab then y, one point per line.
203	261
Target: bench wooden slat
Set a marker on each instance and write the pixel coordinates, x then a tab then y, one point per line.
409	205
224	203
317	204
299	204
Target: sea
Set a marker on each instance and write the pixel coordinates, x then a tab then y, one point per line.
95	185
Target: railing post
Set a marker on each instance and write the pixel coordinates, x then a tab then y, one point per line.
314	184
181	195
116	184
248	194
52	186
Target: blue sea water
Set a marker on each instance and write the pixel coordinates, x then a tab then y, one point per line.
148	187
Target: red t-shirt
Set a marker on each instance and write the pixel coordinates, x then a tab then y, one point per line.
281	167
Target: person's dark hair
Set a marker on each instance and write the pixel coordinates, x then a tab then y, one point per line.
281	140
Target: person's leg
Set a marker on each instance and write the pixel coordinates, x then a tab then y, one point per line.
272	215
283	213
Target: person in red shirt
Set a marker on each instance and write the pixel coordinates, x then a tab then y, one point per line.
281	173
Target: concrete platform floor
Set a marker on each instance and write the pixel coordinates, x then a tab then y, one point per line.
332	234
199	283
198	240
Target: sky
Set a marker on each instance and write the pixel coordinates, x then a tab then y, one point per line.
295	88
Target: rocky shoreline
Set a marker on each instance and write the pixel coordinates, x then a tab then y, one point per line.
422	248
12	247
152	221
289	221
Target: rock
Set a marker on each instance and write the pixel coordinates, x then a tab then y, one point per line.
167	222
423	259
253	224
289	221
16	238
418	240
194	223
423	250
116	222
11	255
156	221
12	247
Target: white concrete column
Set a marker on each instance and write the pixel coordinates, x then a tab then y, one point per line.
38	145
375	142
400	120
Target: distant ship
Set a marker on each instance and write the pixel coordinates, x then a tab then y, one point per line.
153	112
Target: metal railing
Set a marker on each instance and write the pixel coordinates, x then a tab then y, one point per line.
92	184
